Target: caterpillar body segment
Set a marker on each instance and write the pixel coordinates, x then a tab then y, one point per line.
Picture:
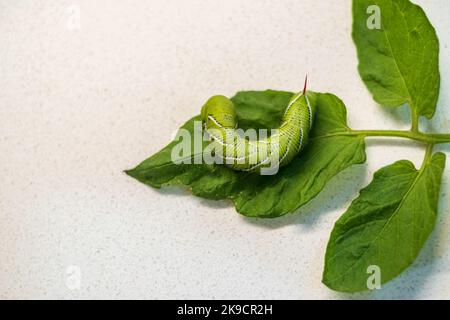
241	152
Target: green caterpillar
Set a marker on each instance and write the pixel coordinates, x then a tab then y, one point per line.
239	153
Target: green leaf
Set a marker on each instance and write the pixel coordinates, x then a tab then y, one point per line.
399	63
386	226
261	109
328	153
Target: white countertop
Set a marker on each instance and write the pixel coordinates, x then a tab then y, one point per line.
82	100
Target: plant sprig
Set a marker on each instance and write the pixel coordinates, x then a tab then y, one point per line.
386	226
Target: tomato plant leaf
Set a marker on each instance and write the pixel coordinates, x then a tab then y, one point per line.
266	196
386	226
399	57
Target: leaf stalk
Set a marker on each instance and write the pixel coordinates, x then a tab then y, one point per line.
428	138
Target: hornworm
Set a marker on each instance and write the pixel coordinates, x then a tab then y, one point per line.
239	153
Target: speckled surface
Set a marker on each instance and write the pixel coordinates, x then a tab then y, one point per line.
82	100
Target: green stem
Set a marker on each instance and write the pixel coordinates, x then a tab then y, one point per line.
440	137
414	120
428	138
428	155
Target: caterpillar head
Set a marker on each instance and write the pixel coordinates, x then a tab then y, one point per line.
218	112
